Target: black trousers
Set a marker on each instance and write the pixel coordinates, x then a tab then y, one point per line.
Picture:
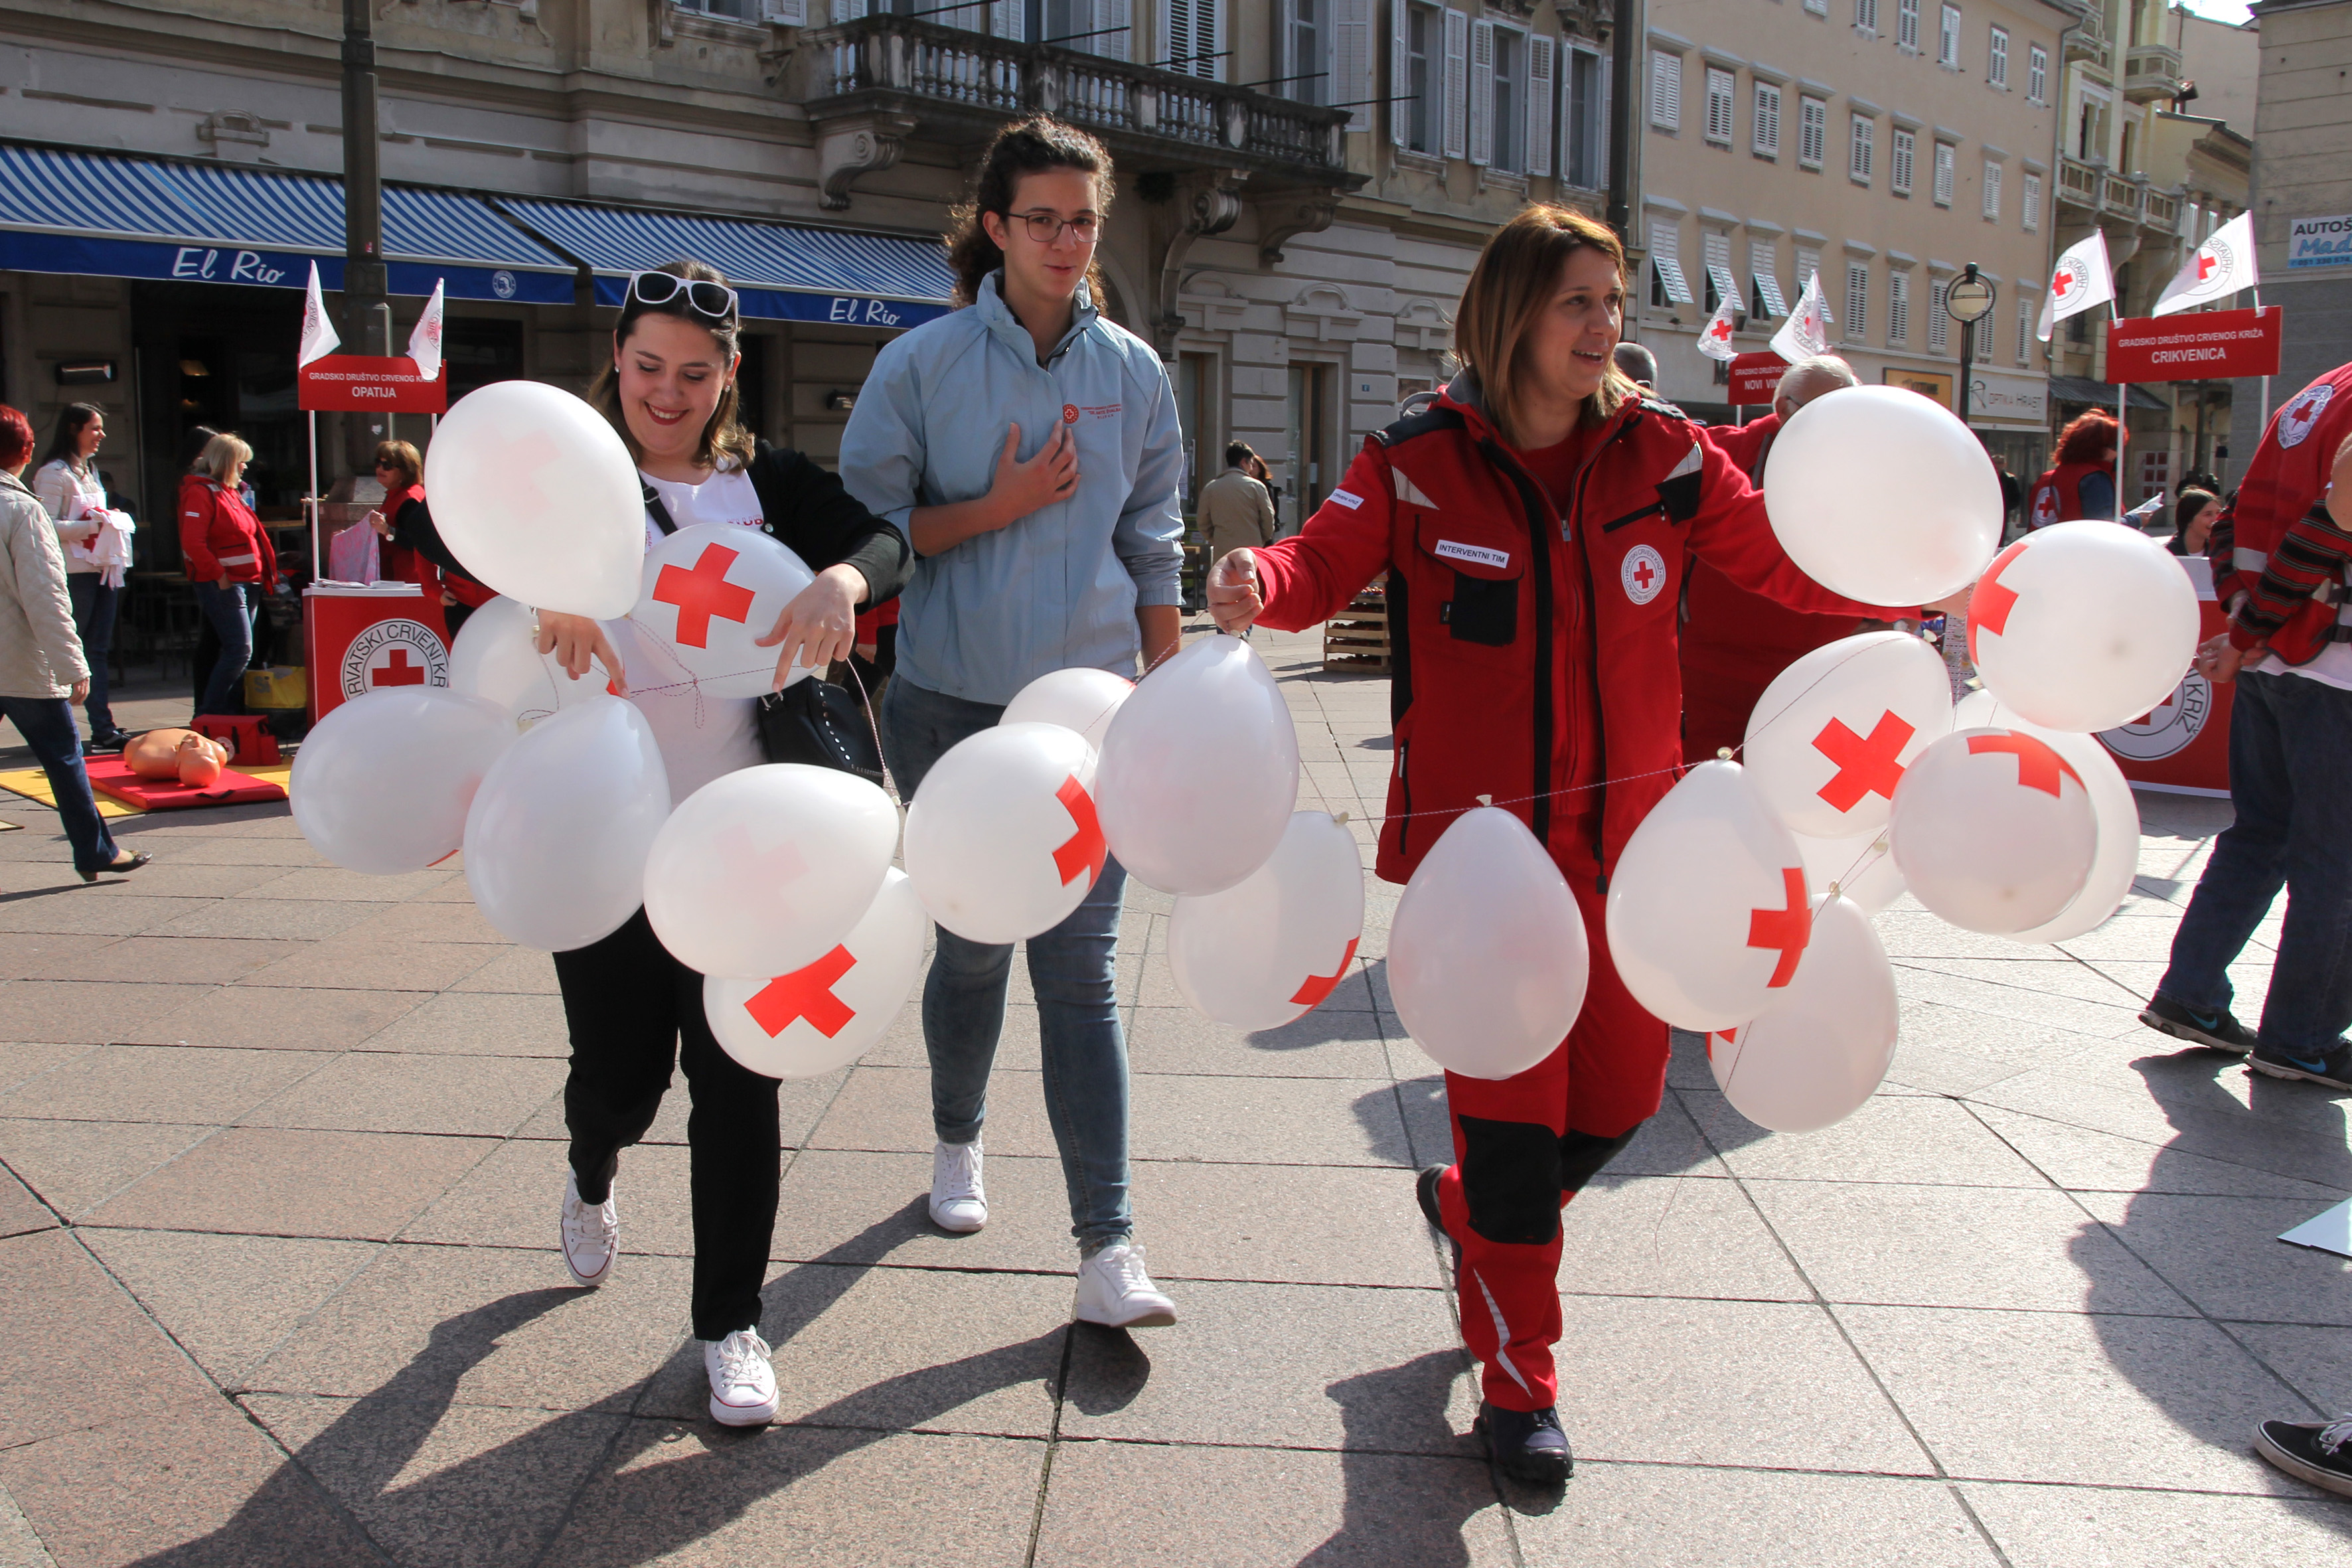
633	1009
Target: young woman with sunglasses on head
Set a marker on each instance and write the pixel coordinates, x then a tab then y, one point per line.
1030	449
632	1007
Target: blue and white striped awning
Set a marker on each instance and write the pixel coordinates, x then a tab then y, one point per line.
780	271
110	217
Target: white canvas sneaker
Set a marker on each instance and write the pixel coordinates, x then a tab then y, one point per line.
1115	1291
742	1383
591	1234
958	1201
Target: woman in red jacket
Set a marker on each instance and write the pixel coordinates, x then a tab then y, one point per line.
2082	482
1537	523
228	557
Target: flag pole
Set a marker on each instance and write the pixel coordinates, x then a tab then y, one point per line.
2267	380
2114	314
315	573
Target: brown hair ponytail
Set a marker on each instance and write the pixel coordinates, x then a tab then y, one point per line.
1030	146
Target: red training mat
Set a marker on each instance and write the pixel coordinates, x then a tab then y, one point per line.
113	777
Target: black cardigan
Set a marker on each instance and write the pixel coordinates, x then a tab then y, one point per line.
801	506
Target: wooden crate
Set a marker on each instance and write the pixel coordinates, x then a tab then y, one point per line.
1356	640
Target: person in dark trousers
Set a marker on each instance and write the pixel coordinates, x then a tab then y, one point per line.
42	671
69	484
227	555
633	1010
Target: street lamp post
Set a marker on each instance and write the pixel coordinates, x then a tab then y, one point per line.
367	313
1968	301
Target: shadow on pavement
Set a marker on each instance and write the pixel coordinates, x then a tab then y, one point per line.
1404	1507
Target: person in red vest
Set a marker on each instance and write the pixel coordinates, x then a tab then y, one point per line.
228	557
2081	483
401	470
1734	642
1537	521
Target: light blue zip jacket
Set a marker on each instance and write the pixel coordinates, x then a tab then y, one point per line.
1057	589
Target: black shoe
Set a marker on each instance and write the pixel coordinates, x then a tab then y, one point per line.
2334	1069
2217	1029
1529	1447
1424	1188
2319	1452
121	864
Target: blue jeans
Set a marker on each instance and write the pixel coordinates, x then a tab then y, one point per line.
47	725
1073	969
229	607
2290	755
93	612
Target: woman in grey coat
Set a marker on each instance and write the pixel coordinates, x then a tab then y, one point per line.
42	671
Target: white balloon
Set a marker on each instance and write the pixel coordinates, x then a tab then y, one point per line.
2083	625
534	492
1707	908
1199	771
1003	841
1273	946
382	784
1884	496
497	659
1993	830
557	839
829	1013
1862	868
2113	805
1081	700
706	593
761	871
1834	731
1823	1046
1487	955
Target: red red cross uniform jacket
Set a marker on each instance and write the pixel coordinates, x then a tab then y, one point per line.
1534	652
2288	476
220	540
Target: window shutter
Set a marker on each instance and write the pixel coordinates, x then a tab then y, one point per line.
1458	83
1541	53
1857	299
1768	300
1898	307
1719	105
1943	174
1767	119
1992	190
1665	90
1939	324
1006	20
847	11
2033	202
785	12
1401	105
1351	60
1481	92
1116	41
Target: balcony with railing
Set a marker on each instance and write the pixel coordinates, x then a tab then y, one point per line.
2101	193
2152	73
2087	42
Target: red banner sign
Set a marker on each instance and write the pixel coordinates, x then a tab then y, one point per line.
1755	377
2195	346
363	384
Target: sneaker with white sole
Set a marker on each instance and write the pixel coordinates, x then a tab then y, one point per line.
742	1382
959	1203
591	1234
1115	1291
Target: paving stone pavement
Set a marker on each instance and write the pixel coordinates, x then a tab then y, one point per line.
281	1151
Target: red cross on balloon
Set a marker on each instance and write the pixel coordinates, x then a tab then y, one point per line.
1788	929
1866	764
805	993
1318	987
703	594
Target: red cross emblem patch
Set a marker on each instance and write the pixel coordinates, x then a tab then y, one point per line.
1643	572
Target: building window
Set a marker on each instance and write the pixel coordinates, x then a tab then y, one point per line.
1420	102
1667	287
1306	77
1809	264
1812	130
1190	33
1665	90
1906	24
2024	330
1586	164
1898	308
1857	299
1818	7
1765	300
1719	105
1940	325
1997	71
1948	40
2031	203
1864	139
1866	15
1944	162
734	8
2037	73
1898	172
1768	120
1992	191
1720	284
1510	108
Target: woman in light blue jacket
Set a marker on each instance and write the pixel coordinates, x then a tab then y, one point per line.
1029	450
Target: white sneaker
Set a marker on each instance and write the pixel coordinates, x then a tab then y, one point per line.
742	1383
958	1201
592	1235
1115	1291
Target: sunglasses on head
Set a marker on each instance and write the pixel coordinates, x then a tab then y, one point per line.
712	301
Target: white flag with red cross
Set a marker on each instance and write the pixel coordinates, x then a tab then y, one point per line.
2081	281
2222	265
425	342
319	338
1714	338
1806	332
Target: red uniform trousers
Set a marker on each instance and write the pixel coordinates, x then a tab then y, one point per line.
1523	1146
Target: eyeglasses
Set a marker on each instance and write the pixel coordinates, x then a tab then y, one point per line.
712	301
1046	227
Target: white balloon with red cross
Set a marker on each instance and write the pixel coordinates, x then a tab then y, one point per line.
708	592
1707	908
1269	949
2083	625
1993	830
2113	806
1824	1045
1003	840
1830	738
826	1013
